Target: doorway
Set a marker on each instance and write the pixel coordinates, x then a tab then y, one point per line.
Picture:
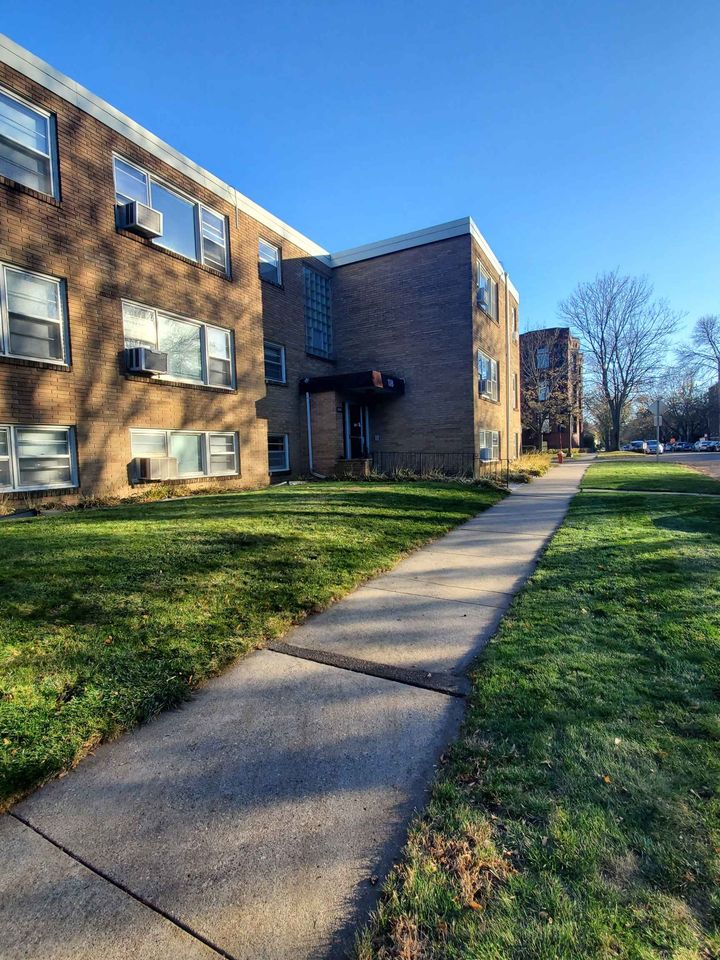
357	430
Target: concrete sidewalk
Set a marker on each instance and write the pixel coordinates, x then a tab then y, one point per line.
255	821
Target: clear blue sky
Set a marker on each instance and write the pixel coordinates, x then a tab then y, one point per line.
580	135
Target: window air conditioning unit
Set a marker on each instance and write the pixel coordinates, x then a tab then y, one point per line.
145	360
156	468
139	218
485	453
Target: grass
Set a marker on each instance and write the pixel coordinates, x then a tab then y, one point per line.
645	474
578	816
109	616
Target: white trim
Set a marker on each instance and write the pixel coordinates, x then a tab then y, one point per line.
418	238
64	362
51	155
278	250
14	458
63	86
286	453
204	449
205	356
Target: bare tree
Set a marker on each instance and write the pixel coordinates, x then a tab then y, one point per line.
624	332
703	352
544	377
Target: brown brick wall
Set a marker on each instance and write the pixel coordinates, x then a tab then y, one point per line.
408	313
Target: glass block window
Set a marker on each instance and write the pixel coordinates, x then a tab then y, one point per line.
278	456
269	262
318	314
27	145
487	292
189	227
37	458
274	362
197	352
489	440
487	376
32	320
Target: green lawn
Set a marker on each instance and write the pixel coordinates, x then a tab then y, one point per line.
109	616
645	474
578	816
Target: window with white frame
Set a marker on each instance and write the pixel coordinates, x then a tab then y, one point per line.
27	144
196	352
32	316
318	313
489	441
37	457
269	262
542	358
189	227
274	362
278	455
487	292
199	453
487	376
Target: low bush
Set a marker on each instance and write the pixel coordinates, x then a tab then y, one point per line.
529	465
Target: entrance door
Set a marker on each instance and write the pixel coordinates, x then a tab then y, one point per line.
357	430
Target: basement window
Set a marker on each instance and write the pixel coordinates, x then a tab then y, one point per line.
199	453
37	458
278	454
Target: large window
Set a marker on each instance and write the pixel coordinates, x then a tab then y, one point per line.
27	145
487	376
189	227
32	321
489	441
487	292
199	453
37	458
269	262
278	456
196	352
318	314
274	362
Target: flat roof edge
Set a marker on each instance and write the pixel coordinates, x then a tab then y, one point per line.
417	238
47	76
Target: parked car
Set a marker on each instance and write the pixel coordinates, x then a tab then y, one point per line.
653	446
682	446
708	445
638	446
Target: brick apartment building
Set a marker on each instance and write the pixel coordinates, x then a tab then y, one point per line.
215	343
551	388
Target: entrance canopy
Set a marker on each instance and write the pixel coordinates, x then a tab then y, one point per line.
365	383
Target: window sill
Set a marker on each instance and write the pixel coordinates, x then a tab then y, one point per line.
190	478
319	356
143	241
279	473
276	383
182	384
37	364
28	191
272	283
56	489
489	399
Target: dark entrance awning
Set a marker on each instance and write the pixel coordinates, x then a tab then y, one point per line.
367	382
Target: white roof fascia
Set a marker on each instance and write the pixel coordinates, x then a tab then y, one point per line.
41	72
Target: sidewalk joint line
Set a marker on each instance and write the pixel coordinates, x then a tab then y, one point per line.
439	682
181	925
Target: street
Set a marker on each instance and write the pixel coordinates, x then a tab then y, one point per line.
707	462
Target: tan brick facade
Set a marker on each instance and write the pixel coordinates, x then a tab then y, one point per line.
408	312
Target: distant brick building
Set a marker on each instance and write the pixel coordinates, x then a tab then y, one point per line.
157	324
552	388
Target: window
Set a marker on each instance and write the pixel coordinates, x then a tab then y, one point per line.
487	292
489	440
543	391
198	453
318	316
27	145
189	227
269	262
32	322
274	362
487	376
278	457
37	458
516	396
542	358
196	352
